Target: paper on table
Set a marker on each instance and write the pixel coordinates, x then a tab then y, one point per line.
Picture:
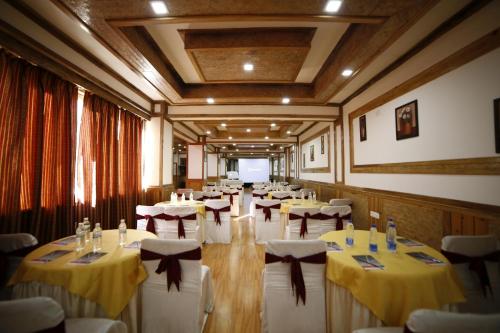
88	258
133	245
65	241
51	256
368	262
425	258
409	242
333	246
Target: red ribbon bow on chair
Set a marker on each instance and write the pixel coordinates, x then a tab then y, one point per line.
217	211
303	225
170	263
282	198
255	195
180	226
297	279
230	197
151	222
267	210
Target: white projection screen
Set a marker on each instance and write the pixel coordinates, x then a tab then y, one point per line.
253	169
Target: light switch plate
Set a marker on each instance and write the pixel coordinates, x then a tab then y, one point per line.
375	215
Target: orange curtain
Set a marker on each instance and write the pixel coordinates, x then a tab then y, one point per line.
37	124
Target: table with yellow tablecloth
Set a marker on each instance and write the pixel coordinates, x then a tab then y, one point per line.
385	296
102	288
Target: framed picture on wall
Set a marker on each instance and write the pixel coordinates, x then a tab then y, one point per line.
311	153
303	160
362	128
322	145
496	116
407	121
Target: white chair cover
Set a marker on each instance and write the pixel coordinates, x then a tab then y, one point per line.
341	210
341	202
175	311
329	224
215	233
186	191
282	194
240	190
212	195
197	195
314	227
160	225
433	321
235	207
474	246
13	242
280	312
169	228
270	229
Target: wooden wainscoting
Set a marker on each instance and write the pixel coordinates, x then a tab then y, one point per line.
195	184
156	194
425	219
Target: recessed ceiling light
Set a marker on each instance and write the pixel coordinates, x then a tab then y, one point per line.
234	144
248	130
288	132
230	138
272	144
267	149
273	125
237	149
251	153
223	124
272	154
248	67
285	100
231	154
210	100
179	145
184	147
159	7
253	146
208	132
333	6
347	72
267	138
224	147
281	147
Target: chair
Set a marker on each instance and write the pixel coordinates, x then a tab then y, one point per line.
234	199
151	218
175	298
44	314
301	226
218	221
212	195
198	195
178	218
185	191
434	321
341	202
267	220
344	213
240	192
282	195
283	307
461	251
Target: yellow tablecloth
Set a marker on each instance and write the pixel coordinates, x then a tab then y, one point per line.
306	203
404	285
110	281
200	206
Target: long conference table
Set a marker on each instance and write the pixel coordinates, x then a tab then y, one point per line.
358	298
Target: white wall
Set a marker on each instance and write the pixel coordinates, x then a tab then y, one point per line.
327	177
151	152
212	165
338	152
194	161
222	167
167	152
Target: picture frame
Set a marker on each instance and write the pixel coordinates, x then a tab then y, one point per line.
322	145
362	128
406	117
311	153
303	160
496	117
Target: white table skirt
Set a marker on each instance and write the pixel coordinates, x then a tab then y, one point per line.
78	307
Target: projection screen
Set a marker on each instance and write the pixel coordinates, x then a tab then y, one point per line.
253	169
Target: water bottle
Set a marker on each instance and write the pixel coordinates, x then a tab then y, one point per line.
314	196
97	238
373	238
302	195
183	198
122	232
191	196
80	237
391	237
389	221
294	195
86	228
349	234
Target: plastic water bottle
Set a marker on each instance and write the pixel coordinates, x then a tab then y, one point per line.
302	195
80	237
191	196
389	221
122	232
391	237
183	198
86	228
349	234
97	238
314	196
373	238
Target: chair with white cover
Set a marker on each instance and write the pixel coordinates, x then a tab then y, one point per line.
177	294
218	221
43	314
303	308
303	223
151	218
198	195
180	222
341	202
240	192
256	195
344	213
185	191
13	247
434	321
282	195
330	220
469	254
306	191
267	220
233	196
212	195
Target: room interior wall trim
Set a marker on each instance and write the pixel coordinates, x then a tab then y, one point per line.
467	166
321	132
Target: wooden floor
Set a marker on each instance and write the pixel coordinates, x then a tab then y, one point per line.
237	275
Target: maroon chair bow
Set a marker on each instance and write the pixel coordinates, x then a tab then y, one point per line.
217	211
170	263
151	222
255	195
303	226
476	265
267	210
297	279
230	197
282	198
180	226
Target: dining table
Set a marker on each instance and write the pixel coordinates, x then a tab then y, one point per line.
106	285
371	289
